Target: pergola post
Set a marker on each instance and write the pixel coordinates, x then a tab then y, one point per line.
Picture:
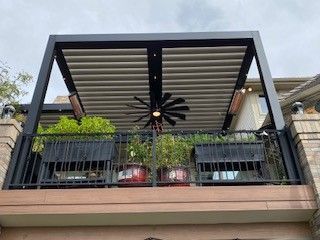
41	88
34	112
274	107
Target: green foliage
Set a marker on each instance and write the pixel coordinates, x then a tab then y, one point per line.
203	138
172	151
67	125
139	151
12	86
64	125
96	125
86	125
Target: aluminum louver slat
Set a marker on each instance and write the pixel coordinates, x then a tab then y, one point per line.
107	80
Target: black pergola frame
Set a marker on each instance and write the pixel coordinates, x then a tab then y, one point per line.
154	43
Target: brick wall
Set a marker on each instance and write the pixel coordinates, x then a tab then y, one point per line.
305	129
9	130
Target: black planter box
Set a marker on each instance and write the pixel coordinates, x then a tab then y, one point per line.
78	162
231	158
76	150
229	152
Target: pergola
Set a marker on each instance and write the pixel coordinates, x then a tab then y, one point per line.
106	71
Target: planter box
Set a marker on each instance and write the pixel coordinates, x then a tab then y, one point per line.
77	161
229	161
75	150
230	152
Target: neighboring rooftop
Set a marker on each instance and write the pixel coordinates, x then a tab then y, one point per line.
308	93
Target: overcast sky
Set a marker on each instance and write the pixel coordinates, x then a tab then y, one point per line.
290	29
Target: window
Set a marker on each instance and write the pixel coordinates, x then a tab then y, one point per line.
263	104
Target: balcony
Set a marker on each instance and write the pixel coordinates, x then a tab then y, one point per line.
184	88
186	165
146	159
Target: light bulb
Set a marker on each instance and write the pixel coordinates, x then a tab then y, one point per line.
156	114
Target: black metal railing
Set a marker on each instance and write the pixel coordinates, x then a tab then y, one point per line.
149	159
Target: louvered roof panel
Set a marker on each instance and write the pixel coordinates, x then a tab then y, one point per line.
108	79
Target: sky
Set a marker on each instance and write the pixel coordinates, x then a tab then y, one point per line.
290	29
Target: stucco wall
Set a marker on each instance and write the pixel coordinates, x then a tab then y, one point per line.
292	231
250	116
9	130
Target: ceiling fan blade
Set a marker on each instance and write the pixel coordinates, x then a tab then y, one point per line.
169	120
148	123
137	112
174	102
137	107
165	98
175	114
140	100
142	117
179	108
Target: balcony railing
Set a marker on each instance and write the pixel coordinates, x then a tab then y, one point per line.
150	159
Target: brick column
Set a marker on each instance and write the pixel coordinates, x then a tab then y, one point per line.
305	129
9	130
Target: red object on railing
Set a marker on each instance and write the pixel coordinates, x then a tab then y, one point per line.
132	173
176	176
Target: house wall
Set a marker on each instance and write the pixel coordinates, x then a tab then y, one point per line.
9	130
305	129
250	116
292	231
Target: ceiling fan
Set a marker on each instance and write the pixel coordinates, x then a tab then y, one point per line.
162	109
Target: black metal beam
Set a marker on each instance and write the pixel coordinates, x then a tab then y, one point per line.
34	113
274	107
154	36
155	77
269	90
41	88
242	77
64	69
165	40
49	107
67	77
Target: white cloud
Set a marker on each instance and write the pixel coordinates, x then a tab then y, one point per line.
289	29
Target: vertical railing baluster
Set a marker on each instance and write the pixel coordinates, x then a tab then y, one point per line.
154	159
33	162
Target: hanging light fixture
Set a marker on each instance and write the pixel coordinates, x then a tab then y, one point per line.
76	106
156	113
236	101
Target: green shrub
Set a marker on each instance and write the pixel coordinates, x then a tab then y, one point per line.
86	125
139	151
64	125
172	151
204	138
96	125
67	125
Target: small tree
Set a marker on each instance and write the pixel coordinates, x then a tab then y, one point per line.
12	86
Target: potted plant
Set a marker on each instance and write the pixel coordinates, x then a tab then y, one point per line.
136	168
173	154
69	144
